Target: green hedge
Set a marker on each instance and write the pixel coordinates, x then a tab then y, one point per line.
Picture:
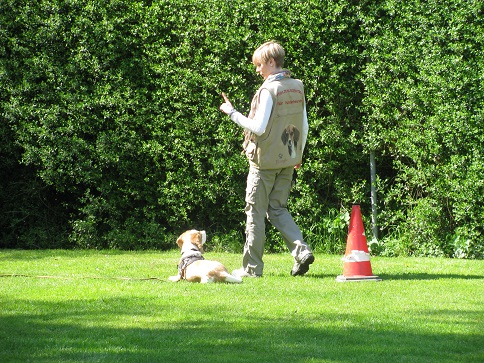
112	117
423	107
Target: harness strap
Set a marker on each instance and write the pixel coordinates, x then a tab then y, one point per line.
187	261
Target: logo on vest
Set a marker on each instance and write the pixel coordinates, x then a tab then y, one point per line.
290	138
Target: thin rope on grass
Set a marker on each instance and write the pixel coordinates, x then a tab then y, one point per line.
81	277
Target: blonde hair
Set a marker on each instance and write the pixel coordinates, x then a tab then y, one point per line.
267	51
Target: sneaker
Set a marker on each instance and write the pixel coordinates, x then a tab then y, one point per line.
302	266
242	273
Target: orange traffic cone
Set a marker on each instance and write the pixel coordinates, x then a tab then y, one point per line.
357	266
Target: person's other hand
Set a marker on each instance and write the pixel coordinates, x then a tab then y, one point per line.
226	107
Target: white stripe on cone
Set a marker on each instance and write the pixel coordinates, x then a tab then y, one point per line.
357	256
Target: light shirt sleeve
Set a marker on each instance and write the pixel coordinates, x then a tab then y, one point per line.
305	129
258	124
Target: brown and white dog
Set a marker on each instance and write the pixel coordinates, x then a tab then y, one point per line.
290	137
193	267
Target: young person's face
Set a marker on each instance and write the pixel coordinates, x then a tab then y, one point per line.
265	69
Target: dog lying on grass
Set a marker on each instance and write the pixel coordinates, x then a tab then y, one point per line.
193	267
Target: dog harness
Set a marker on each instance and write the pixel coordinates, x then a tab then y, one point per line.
187	261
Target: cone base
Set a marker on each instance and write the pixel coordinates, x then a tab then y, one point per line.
362	268
342	278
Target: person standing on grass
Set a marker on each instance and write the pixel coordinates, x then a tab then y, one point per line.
275	136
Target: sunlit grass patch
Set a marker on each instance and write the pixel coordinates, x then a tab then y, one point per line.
111	306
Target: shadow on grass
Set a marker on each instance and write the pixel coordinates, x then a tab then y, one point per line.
426	276
111	330
388	277
10	254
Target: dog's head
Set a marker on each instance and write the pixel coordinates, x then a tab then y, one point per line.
191	239
290	135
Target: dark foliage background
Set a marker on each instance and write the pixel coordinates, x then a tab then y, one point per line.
112	138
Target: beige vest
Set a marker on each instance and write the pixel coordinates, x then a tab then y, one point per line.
280	146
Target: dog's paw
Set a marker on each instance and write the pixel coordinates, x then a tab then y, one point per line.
174	278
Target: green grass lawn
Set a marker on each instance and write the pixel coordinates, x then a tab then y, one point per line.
100	306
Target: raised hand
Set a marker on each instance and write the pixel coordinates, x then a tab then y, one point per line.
226	107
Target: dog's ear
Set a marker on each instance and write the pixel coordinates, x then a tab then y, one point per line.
179	242
285	137
296	134
197	240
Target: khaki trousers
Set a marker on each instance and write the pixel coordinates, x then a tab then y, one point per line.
267	194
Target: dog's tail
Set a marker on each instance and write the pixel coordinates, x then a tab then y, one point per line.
232	279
